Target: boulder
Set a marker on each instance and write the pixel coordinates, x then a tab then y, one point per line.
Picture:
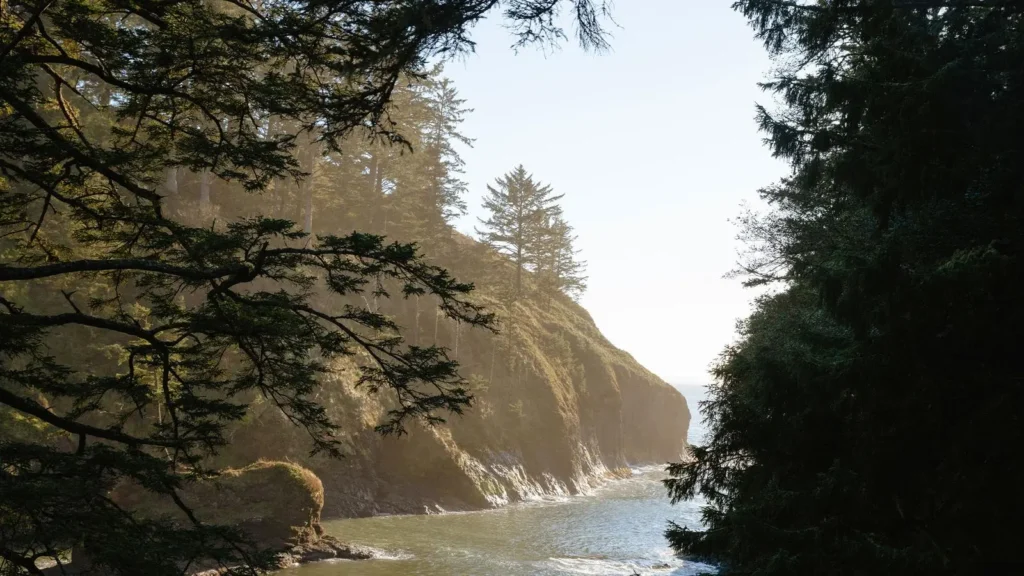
277	504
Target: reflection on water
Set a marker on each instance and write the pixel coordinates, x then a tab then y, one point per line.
616	531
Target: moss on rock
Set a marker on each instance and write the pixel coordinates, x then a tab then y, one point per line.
277	504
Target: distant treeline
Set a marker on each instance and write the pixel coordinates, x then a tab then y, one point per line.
405	184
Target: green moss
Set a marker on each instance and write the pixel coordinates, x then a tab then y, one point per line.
278	502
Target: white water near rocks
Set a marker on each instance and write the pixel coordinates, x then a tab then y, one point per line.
615	529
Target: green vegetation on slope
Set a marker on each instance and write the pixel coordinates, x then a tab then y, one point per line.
868	419
556	407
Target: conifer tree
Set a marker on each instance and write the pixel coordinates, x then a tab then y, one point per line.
429	189
557	264
867	420
98	101
442	134
519	210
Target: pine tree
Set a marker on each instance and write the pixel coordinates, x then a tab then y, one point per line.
98	101
558	267
442	134
428	189
867	419
519	210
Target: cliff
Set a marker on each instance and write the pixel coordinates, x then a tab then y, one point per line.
558	409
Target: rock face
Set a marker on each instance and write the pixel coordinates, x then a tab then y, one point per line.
278	504
558	409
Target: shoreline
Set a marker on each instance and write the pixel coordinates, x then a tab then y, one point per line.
611	476
329	547
555	542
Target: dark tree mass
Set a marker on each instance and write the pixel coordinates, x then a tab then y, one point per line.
161	165
868	419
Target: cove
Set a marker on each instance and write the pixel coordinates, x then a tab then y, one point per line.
615	530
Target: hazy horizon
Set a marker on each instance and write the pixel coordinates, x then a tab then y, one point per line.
663	117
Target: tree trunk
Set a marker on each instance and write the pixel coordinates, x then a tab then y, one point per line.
375	191
437	316
519	273
306	188
204	190
494	350
458	328
416	328
307	193
281	190
171	181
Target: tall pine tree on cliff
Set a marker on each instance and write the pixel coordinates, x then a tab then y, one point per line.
104	107
558	266
868	419
519	209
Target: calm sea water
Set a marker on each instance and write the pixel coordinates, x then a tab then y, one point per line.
617	530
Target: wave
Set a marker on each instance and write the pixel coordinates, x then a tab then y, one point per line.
379	554
646	469
607	567
592	566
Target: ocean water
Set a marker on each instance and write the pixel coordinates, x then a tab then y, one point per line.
617	530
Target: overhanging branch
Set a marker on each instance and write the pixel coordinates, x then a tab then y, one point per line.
32	408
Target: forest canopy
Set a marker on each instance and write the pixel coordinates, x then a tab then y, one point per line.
160	269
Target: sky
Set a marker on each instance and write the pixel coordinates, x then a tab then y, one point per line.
655	147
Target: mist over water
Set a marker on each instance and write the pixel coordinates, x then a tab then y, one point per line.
615	530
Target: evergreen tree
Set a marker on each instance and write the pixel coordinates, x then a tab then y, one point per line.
440	138
867	420
558	266
429	190
100	101
519	210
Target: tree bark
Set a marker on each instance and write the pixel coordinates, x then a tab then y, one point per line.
416	328
204	190
307	194
437	316
171	181
458	328
306	187
494	350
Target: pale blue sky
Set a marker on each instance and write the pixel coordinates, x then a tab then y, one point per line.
655	148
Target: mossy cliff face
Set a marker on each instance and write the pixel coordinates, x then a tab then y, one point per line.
558	409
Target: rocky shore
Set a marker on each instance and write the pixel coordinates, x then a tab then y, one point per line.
326	548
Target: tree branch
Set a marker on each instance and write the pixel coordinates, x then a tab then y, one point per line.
25	29
37	410
8	273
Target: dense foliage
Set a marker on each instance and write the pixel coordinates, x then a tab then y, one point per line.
867	421
144	303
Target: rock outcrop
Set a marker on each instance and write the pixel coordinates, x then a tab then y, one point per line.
277	504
